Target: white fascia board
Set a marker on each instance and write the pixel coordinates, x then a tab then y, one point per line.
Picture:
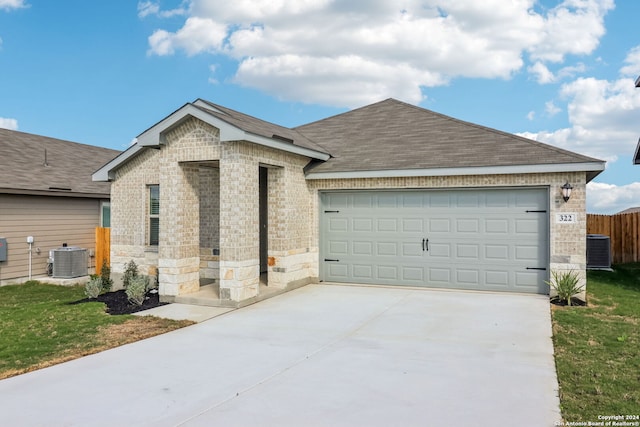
278	145
152	137
106	172
484	170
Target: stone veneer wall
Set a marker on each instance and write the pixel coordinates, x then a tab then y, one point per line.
567	241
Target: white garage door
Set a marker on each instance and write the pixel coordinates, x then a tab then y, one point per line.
466	239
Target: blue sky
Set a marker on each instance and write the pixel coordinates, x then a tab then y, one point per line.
561	72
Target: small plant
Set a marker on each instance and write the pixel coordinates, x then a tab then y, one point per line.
566	285
130	273
93	287
623	337
105	275
137	289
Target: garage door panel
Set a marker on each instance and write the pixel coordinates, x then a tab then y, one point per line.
337	247
415	275
496	226
412	225
478	239
362	225
362	248
528	226
439	276
438	200
495	278
362	200
439	225
468	200
387	272
497	252
338	271
527	253
338	225
466	251
440	250
387	200
412	250
468	225
387	225
387	249
363	272
497	200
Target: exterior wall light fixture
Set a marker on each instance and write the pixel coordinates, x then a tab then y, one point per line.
566	191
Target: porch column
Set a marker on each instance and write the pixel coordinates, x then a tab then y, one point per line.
179	239
239	224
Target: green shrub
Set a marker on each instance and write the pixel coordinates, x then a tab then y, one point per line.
565	284
105	275
93	287
137	289
130	273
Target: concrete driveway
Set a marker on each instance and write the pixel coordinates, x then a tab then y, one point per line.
323	355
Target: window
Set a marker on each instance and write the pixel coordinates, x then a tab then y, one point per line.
154	214
105	214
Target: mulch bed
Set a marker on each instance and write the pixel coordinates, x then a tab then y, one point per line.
117	302
563	303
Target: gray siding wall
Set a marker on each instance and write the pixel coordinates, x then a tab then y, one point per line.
51	221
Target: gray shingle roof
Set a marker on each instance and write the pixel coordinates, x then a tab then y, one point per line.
393	135
260	127
68	167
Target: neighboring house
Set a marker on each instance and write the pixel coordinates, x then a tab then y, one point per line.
46	192
387	194
629	210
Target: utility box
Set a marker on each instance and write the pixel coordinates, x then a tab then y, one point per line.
3	249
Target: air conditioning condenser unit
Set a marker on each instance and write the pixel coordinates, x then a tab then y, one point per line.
69	262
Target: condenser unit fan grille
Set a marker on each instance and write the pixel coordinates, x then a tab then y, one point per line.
69	263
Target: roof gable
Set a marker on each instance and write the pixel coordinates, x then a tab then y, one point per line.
35	164
393	135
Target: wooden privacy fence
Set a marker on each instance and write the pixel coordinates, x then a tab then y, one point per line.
103	247
624	232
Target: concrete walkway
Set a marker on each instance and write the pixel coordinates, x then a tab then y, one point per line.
321	355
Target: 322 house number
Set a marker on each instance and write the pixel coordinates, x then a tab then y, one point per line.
566	218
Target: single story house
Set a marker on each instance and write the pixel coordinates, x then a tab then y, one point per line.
46	193
389	194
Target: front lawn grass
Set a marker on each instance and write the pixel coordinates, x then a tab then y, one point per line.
40	326
598	347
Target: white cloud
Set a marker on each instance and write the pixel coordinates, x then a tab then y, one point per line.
13	4
146	8
603	116
574	27
609	199
287	47
541	73
11	124
551	109
531	115
197	35
632	69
